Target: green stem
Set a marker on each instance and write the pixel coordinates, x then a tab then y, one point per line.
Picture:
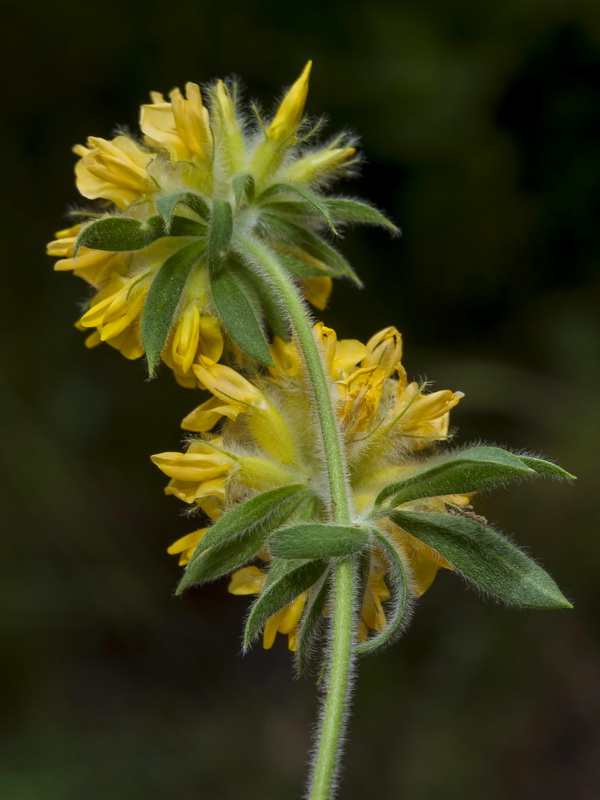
340	505
329	739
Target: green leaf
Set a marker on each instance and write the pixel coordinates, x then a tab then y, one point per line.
166	205
485	557
238	315
398	584
300	269
311	622
223	558
243	184
123	234
316	540
546	469
471	470
268	301
265	511
220	229
163	299
313	200
289	233
344	209
119	234
278	592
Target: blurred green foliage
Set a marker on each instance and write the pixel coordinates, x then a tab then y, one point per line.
480	124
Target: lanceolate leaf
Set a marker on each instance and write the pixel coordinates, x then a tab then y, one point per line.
243	184
271	306
122	234
485	557
398	584
238	315
346	210
315	540
119	234
223	558
266	511
312	199
470	470
301	269
297	578
311	622
163	299
289	233
220	230
167	204
546	468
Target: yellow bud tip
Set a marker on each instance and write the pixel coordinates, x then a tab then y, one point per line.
291	109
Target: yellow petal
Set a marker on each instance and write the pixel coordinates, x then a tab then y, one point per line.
289	114
207	414
227	384
249	580
187	541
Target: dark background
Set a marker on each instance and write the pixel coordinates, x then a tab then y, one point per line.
480	124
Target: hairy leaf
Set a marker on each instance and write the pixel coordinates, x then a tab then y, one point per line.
278	592
344	209
220	229
485	557
238	315
311	622
167	204
470	470
310	198
163	299
398	584
243	184
265	511
315	540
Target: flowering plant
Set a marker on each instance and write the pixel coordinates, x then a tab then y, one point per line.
322	476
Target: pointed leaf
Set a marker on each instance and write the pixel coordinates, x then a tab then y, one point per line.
546	469
470	470
312	619
398	583
223	558
346	210
119	234
313	200
163	299
243	184
277	593
485	557
269	303
318	540
166	205
287	232
220	229
266	511
301	269
238	315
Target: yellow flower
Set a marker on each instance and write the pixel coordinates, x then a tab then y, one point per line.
265	443
115	314
182	127
115	170
94	266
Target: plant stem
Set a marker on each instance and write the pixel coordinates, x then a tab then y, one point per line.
327	752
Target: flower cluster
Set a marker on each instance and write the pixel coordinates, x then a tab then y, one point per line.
195	166
264	442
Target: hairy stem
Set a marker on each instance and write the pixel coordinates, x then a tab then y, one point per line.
329	740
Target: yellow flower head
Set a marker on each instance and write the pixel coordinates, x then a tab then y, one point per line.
264	443
176	210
